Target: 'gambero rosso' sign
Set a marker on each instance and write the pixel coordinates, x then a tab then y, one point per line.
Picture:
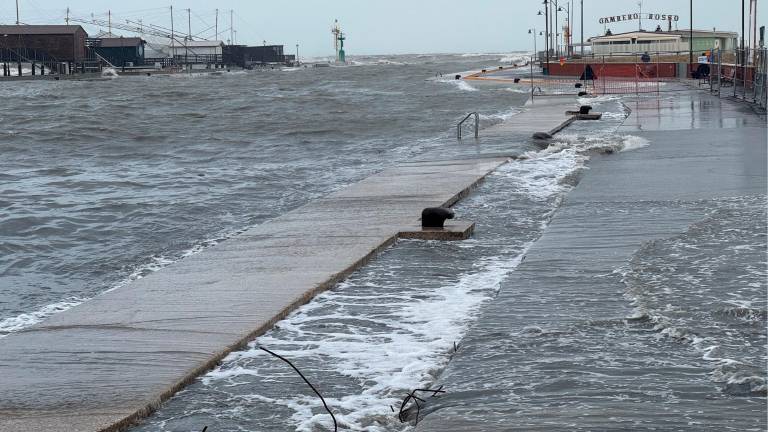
636	16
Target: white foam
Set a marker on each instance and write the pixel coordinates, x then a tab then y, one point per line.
541	174
518	90
110	73
464	86
501	116
24	320
632	142
515	59
413	346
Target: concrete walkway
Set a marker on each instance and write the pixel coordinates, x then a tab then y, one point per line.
672	112
540	114
113	359
555	351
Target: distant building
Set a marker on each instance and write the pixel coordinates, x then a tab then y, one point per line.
50	43
677	41
248	56
197	52
120	51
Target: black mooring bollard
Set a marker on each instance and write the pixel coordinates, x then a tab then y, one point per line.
434	217
585	109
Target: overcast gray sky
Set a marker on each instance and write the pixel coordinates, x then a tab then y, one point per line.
381	27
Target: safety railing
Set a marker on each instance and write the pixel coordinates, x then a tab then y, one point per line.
461	123
739	74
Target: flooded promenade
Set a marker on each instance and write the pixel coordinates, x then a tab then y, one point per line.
615	273
643	304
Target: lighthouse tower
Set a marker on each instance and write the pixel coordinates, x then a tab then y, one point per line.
341	57
338	42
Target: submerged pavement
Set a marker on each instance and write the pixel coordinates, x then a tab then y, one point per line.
540	114
115	358
563	347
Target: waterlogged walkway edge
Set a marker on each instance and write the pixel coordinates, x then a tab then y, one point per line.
104	364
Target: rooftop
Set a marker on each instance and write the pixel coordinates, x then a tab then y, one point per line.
39	29
665	34
199	44
120	42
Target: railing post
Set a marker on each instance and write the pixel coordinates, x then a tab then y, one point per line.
711	63
735	73
744	61
719	62
602	76
477	125
637	68
532	76
658	76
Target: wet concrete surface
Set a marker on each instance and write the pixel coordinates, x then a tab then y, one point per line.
560	347
113	359
453	230
540	114
686	110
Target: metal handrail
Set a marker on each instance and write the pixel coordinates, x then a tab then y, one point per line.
477	124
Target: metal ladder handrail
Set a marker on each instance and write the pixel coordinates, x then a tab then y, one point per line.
477	124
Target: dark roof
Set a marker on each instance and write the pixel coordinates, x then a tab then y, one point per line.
120	42
39	29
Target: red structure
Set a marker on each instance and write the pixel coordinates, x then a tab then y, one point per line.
618	70
64	43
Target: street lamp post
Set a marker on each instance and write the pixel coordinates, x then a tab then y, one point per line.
582	28
690	38
545	70
533	32
556	41
568	27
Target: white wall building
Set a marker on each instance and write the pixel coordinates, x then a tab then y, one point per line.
677	41
196	48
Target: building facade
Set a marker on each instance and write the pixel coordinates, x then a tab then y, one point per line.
120	51
197	52
677	41
53	43
248	56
